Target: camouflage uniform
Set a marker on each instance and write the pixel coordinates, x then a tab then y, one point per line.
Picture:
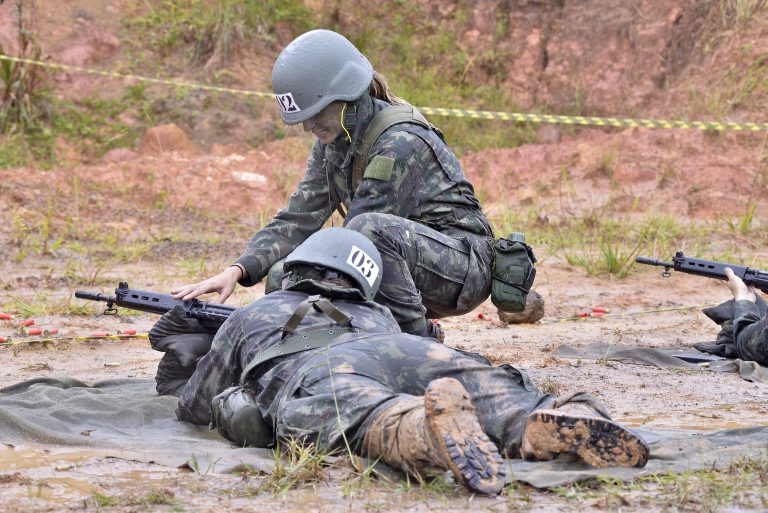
326	394
414	203
744	332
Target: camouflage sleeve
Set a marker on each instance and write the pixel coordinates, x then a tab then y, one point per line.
307	210
750	330
395	177
217	370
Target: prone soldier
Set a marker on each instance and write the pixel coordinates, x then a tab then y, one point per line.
320	362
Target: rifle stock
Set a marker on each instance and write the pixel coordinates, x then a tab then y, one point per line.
155	302
709	269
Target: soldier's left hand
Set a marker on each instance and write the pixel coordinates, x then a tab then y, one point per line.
738	288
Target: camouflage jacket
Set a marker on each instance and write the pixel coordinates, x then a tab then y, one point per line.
252	329
411	173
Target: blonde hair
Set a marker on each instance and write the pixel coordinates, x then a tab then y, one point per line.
380	90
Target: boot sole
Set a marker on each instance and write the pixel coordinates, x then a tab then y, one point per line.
598	442
471	455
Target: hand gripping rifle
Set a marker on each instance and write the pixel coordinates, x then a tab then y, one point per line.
145	301
709	269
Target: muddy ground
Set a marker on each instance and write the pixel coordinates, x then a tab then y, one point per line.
646	311
158	218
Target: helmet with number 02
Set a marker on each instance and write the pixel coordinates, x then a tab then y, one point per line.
315	69
346	251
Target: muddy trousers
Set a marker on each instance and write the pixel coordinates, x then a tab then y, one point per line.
336	393
426	273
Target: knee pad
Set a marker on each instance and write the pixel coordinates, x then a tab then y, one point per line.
236	416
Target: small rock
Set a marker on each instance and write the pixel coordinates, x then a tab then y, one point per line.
532	313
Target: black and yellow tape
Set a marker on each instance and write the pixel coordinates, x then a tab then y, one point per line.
433	111
137	78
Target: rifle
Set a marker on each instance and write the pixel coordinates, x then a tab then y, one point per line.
709	269
145	301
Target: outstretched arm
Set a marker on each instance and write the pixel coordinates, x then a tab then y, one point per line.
750	324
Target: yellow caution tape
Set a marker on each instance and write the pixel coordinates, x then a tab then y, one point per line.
139	78
593	121
459	113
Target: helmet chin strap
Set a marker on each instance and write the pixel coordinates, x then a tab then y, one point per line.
348	119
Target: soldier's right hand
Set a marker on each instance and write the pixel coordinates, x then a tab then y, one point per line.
223	283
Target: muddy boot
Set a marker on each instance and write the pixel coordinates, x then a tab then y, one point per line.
437	434
575	430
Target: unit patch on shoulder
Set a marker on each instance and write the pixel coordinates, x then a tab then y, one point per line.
380	168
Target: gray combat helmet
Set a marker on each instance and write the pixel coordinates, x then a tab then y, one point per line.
345	251
315	69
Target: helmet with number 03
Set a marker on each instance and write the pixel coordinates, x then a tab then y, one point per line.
346	251
315	69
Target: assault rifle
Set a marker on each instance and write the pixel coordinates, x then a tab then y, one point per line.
154	302
709	269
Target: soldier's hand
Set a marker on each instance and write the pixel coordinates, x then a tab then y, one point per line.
738	288
223	283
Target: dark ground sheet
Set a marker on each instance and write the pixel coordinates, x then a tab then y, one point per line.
127	419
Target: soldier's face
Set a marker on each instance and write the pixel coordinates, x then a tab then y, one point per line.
326	124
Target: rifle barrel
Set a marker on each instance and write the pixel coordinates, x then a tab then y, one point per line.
94	296
653	261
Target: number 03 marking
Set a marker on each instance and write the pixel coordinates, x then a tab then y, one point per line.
363	264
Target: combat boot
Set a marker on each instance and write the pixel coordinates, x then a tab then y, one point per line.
579	431
440	432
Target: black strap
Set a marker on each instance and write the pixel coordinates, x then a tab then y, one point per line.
320	304
332	196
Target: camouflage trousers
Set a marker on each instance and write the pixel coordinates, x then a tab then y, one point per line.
426	274
335	393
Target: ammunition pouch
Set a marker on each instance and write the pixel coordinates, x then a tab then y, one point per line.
513	274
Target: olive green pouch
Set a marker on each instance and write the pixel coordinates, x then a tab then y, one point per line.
513	273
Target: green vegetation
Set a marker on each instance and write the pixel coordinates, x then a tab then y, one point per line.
742	484
211	32
739	11
295	464
605	243
406	58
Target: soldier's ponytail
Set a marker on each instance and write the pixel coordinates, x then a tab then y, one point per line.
380	90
